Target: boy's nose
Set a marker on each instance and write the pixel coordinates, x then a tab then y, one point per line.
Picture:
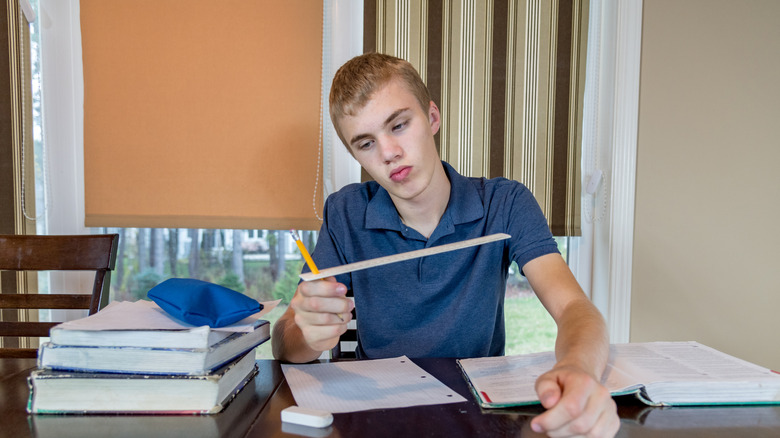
390	149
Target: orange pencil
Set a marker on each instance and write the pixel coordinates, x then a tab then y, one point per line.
307	257
304	252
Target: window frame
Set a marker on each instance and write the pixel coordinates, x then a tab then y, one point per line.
604	264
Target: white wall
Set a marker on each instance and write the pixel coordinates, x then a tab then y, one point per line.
705	261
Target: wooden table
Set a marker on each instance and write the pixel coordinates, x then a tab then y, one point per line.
255	412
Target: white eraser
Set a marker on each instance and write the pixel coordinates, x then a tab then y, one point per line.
307	417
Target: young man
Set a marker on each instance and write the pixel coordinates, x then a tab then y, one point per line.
447	305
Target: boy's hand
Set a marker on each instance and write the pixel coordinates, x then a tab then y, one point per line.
577	405
322	312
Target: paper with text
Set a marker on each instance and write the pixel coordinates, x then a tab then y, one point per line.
681	362
366	384
509	380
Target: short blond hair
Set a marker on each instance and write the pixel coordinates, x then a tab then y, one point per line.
357	80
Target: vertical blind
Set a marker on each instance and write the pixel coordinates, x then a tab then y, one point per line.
201	113
508	76
17	201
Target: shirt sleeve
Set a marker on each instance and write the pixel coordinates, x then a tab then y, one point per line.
531	236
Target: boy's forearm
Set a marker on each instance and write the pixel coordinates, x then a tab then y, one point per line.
582	339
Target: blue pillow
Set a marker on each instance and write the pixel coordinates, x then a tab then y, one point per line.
202	303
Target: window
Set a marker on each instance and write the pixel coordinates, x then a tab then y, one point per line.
529	327
263	264
60	141
151	255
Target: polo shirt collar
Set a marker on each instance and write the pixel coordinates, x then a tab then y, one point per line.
381	213
465	205
465	201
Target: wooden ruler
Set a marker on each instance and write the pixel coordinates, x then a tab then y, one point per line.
379	261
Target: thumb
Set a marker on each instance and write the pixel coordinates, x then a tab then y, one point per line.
548	391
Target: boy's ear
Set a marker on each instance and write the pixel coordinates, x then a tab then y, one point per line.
434	117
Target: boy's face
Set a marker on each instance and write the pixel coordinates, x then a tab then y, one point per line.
392	138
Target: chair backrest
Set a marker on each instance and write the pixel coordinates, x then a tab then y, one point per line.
347	345
95	252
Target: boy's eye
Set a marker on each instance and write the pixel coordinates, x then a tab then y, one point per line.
399	126
364	145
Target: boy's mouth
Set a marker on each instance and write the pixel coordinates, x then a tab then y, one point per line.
400	173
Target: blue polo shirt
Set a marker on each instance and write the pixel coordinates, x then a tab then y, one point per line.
444	305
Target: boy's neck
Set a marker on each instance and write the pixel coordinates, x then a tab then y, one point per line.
424	213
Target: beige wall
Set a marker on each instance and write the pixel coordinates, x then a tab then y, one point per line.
706	263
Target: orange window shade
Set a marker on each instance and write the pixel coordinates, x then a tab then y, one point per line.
201	113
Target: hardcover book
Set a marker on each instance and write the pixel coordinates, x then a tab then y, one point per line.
144	324
145	360
67	392
658	373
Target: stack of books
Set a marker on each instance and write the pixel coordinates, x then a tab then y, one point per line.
132	358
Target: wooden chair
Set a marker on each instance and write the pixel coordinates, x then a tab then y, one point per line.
347	345
53	253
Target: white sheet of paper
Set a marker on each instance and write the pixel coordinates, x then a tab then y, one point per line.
147	315
366	384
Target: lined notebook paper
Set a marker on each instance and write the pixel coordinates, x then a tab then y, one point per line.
366	384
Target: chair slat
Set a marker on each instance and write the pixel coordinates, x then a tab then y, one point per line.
26	329
45	301
51	253
93	252
31	353
338	352
349	336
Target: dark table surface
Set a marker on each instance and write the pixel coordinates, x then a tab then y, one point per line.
255	412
